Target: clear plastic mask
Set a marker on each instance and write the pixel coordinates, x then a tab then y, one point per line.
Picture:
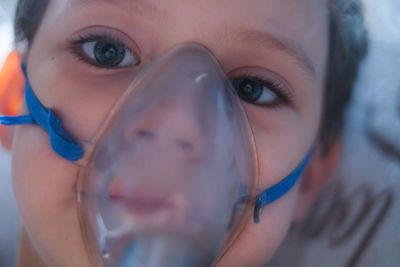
174	167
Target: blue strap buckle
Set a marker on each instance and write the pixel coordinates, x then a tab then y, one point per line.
278	190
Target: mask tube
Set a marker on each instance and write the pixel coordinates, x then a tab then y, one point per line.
172	175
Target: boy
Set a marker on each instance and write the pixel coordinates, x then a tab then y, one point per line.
303	55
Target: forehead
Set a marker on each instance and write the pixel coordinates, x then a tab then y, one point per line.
283	17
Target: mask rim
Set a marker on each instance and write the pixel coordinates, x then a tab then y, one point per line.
90	149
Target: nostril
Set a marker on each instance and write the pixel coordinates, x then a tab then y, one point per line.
145	134
185	145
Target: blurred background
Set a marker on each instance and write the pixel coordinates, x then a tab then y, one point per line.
9	220
356	221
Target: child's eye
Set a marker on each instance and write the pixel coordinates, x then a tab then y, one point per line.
104	52
258	91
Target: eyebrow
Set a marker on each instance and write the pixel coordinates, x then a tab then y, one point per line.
268	40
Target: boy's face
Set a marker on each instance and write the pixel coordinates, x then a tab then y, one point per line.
281	41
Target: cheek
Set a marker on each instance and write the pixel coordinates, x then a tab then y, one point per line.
278	156
283	139
44	186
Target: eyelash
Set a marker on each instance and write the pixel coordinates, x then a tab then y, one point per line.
284	95
76	49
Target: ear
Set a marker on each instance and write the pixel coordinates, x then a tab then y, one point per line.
11	94
316	176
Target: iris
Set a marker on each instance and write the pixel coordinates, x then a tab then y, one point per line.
109	54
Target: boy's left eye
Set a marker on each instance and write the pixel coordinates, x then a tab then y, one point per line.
105	53
257	91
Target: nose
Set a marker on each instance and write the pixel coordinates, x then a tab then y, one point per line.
172	130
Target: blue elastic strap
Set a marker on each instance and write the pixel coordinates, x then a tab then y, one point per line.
61	142
280	189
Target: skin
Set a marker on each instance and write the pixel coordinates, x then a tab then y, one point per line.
80	95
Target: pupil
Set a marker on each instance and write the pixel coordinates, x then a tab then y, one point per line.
109	54
247	89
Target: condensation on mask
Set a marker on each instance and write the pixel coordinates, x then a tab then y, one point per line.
170	180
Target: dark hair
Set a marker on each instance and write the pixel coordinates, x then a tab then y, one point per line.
28	16
347	47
